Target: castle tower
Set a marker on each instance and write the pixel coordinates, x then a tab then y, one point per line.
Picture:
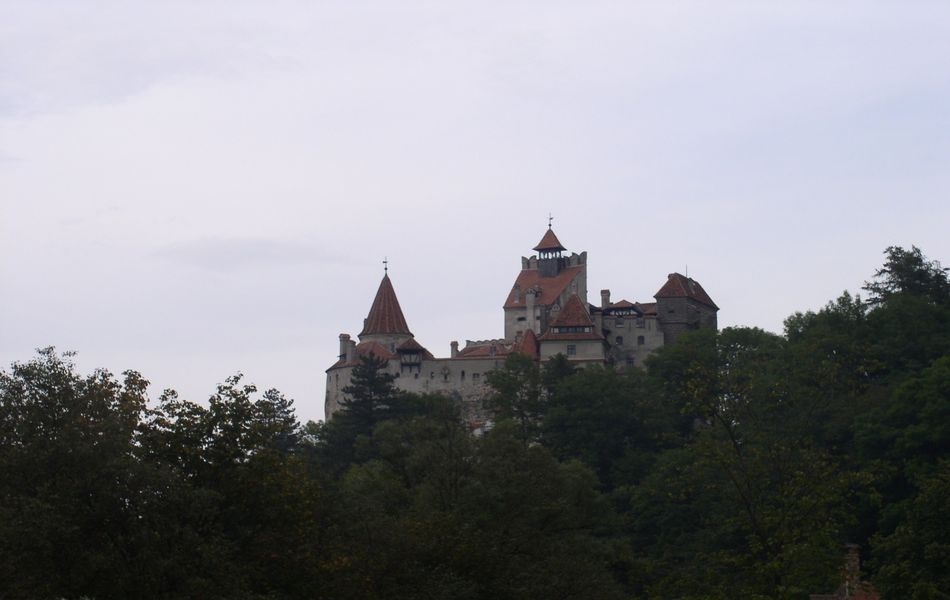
549	252
544	285
683	305
385	323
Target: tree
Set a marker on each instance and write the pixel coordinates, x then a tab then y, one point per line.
518	395
615	422
751	506
72	491
370	399
909	272
914	560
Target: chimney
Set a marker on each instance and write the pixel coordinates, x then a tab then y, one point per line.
344	345
604	298
455	349
529	308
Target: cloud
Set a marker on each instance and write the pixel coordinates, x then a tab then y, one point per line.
229	254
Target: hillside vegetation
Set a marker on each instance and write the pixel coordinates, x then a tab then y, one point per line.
737	465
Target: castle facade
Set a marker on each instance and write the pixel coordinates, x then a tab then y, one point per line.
546	313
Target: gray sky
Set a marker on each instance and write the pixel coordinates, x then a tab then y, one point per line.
192	189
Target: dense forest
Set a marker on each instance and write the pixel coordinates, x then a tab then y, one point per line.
736	465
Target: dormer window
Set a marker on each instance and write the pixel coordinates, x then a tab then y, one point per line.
573	329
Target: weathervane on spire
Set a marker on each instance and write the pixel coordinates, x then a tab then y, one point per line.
550	218
386	265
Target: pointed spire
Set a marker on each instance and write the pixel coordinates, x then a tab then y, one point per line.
549	243
385	316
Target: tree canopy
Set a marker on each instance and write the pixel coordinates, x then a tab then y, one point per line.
736	465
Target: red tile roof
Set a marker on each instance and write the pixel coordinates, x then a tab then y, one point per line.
385	316
680	286
551	287
411	345
528	345
648	308
572	315
365	349
549	243
482	351
373	349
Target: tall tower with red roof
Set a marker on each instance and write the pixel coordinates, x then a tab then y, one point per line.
385	323
544	285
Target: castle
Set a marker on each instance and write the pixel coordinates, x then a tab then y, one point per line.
546	314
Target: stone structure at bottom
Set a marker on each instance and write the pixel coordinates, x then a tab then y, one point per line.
546	313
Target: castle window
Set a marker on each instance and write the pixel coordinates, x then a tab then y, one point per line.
571	350
522	318
476	376
620	340
619	322
640	323
462	375
641	340
630	360
572	329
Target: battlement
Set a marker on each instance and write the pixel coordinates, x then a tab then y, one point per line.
477	343
532	263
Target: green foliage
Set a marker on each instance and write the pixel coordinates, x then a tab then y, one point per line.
615	422
908	272
107	499
914	560
370	399
518	395
735	466
70	488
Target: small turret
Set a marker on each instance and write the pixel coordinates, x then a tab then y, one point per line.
549	251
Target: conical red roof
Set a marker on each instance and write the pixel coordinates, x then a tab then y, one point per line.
549	243
385	316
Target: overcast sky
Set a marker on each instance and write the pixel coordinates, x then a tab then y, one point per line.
192	189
